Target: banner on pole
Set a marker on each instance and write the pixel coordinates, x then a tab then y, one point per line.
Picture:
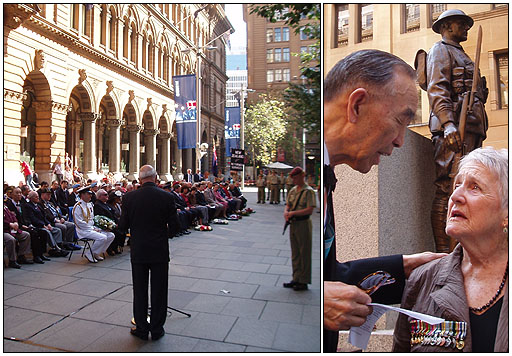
186	110
232	129
237	159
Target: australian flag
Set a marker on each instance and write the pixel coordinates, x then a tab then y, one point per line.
232	129
186	110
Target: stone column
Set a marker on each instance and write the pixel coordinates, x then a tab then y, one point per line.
100	131
165	157
150	143
114	157
76	142
177	157
134	151
89	122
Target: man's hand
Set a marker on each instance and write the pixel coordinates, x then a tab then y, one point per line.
344	306
48	227
14	226
452	137
287	215
417	259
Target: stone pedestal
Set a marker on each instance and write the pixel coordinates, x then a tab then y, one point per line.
387	210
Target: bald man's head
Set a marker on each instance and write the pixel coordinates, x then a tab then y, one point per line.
147	174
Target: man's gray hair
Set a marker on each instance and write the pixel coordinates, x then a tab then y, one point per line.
368	67
496	161
101	192
147	173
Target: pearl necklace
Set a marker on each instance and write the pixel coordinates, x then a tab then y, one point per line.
491	302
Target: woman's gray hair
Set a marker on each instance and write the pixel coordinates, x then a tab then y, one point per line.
495	161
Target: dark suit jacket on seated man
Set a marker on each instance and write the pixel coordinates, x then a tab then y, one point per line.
148	212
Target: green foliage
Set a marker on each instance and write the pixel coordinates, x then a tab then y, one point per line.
265	127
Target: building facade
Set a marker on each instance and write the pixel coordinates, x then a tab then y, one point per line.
403	29
95	82
271	46
237	80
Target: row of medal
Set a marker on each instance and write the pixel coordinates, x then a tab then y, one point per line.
445	334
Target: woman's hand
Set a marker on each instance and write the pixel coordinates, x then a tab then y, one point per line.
417	259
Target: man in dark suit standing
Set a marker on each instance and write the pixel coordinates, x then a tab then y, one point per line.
62	196
189	177
149	212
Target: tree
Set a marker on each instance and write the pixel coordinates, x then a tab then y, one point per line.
265	127
303	99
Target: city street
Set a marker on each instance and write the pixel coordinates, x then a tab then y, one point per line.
229	280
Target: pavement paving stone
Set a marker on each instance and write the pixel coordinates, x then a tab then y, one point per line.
215	346
240	290
15	290
37	279
253	332
170	343
311	315
72	334
117	339
23	323
179	299
99	310
181	283
209	326
234	276
50	301
90	287
229	264
244	308
255	267
297	338
15	346
208	303
262	279
283	312
249	258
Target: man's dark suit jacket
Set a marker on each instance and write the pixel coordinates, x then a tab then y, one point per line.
62	199
147	212
72	199
19	216
101	208
35	216
354	271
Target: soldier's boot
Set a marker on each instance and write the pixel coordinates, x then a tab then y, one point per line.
444	243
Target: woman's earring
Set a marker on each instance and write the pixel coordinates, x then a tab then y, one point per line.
505	230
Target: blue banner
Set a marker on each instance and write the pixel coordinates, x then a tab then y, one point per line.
232	129
186	110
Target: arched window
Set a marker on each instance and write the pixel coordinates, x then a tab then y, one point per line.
151	56
160	62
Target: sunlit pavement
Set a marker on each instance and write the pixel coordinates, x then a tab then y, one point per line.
229	280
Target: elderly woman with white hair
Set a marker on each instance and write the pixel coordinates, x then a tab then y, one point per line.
469	287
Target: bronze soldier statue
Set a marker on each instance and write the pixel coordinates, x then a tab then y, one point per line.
449	74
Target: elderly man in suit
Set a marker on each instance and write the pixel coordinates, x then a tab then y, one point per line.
149	212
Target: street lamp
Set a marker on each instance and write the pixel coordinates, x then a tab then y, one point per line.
242	92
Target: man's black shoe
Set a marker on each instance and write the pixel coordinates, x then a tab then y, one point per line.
38	259
111	252
300	286
14	264
23	261
186	232
140	334
290	284
44	258
158	335
58	253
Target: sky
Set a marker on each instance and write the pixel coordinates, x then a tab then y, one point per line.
238	39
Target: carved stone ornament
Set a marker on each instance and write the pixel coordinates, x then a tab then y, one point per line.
165	136
60	108
83	76
131	94
151	132
89	116
39	59
134	128
16	14
14	96
114	122
110	86
150	102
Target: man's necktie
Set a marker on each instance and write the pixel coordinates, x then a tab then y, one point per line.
329	186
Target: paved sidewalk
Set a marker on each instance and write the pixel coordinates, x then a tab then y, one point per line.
229	279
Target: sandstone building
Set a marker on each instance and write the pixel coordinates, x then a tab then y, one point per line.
95	82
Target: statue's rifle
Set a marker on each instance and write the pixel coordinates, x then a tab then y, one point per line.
467	105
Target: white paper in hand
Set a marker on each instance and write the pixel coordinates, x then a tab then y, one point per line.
359	336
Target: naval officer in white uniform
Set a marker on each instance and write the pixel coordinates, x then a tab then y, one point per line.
83	215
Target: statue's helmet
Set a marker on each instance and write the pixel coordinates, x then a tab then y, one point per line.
450	15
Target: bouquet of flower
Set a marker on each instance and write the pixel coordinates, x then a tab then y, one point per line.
203	228
104	223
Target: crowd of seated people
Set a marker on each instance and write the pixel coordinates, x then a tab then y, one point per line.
41	223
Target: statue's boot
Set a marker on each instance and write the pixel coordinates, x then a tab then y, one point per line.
444	243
